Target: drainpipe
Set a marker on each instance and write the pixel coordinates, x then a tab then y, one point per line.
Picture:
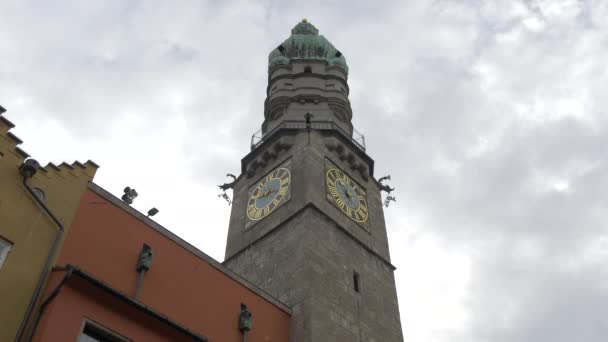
66	277
28	169
245	321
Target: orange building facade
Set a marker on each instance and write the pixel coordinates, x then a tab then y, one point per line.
104	288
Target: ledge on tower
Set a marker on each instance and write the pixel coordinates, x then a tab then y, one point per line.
258	137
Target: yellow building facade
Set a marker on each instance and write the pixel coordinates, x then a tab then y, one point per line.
27	231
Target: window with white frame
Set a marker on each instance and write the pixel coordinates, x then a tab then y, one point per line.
93	332
5	247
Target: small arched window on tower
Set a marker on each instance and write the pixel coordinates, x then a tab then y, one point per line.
307	69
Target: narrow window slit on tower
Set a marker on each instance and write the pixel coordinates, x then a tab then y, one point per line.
356	281
308	69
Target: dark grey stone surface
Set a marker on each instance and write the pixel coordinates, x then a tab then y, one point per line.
305	252
308	263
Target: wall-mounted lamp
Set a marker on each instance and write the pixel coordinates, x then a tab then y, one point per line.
144	263
29	168
152	212
245	321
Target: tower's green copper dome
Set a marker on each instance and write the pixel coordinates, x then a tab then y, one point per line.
306	43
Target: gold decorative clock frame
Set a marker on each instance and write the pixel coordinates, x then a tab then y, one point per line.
346	194
269	193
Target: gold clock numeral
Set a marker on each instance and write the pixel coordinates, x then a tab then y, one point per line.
348	210
332	176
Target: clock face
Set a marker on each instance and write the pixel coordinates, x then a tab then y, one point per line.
347	195
268	194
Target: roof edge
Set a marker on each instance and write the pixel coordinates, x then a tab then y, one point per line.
72	269
186	245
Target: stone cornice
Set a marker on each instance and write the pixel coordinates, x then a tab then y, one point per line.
307	74
299	212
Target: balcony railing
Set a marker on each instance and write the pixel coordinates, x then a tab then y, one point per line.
357	138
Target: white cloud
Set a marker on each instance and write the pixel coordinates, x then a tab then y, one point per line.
491	118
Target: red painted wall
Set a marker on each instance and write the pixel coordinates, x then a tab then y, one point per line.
105	241
78	300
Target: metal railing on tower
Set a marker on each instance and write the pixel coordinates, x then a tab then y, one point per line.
258	137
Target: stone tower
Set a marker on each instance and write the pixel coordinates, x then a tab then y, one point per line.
307	223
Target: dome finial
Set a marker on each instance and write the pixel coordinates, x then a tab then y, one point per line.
305	27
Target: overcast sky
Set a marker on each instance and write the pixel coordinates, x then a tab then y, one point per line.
489	115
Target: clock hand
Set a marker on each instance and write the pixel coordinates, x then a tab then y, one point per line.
345	190
261	194
339	185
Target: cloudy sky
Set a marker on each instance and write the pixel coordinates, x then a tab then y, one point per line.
489	115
